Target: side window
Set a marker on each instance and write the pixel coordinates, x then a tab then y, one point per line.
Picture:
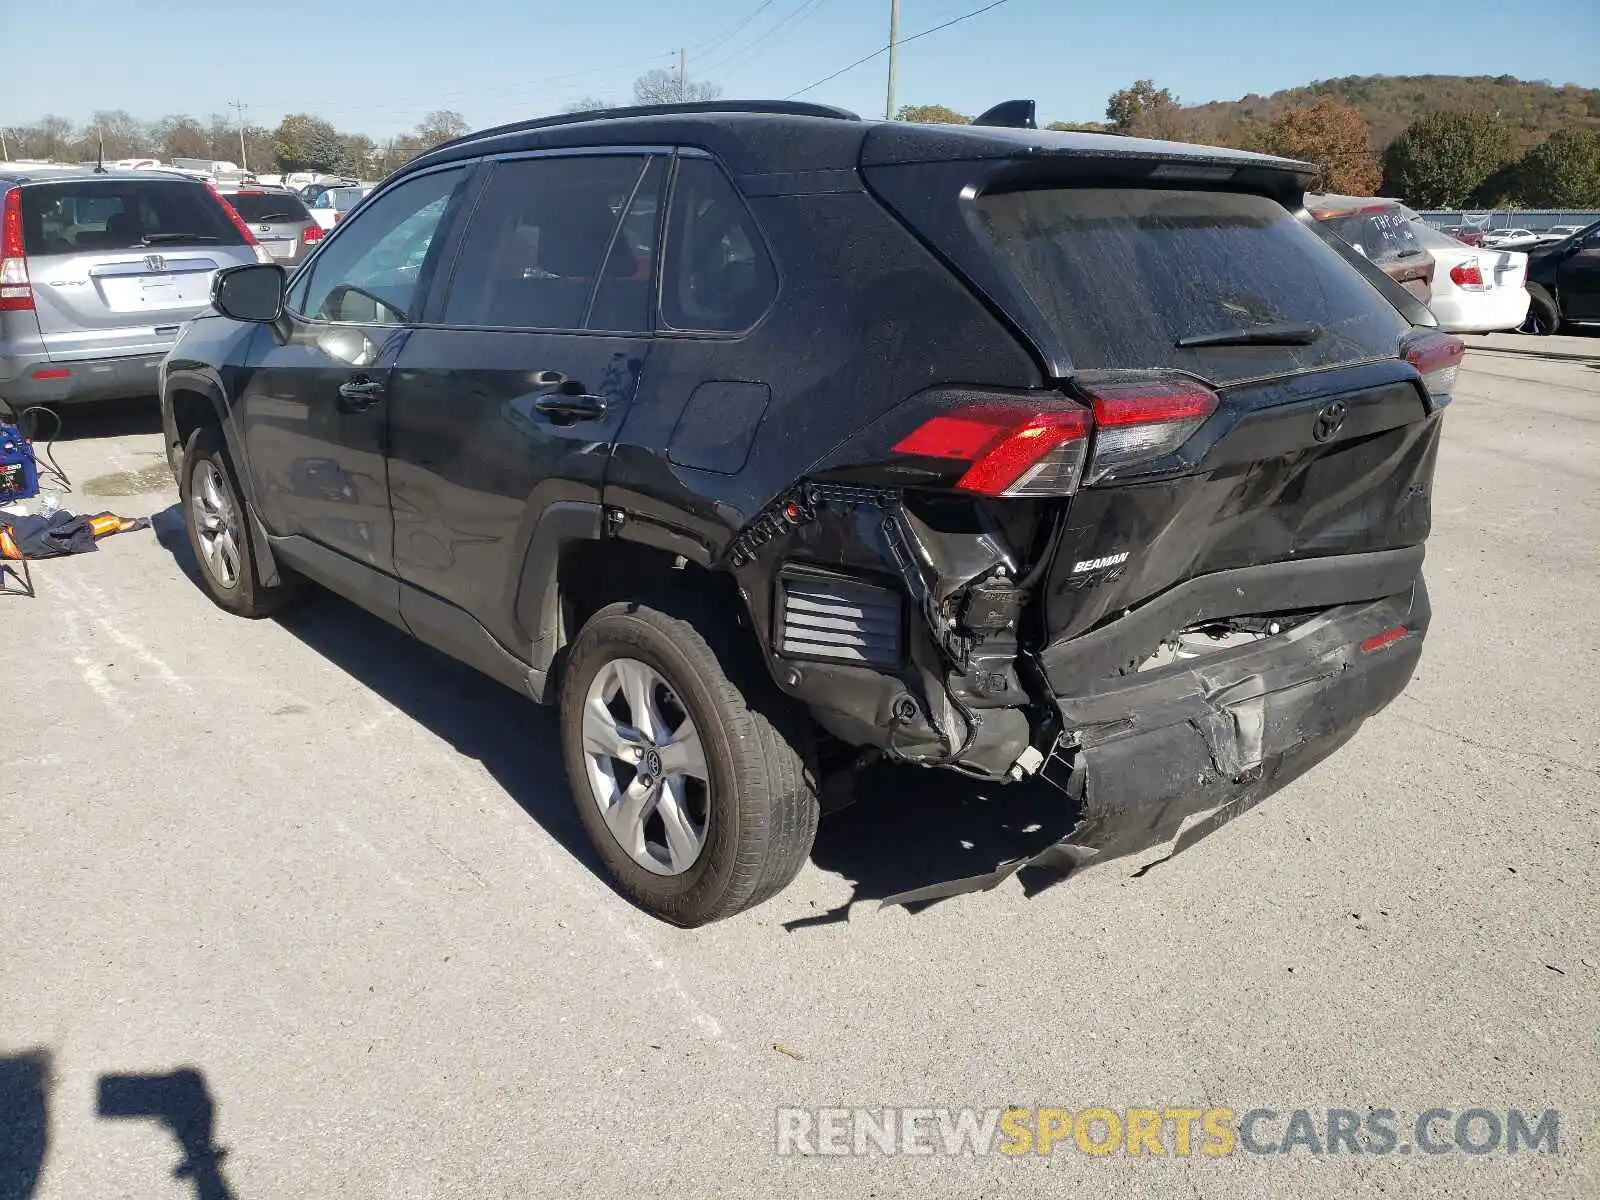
543	244
716	276
369	273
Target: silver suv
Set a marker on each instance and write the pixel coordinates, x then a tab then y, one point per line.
278	218
98	271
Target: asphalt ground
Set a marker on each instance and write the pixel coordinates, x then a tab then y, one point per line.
298	908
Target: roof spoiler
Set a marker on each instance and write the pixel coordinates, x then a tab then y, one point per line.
1010	114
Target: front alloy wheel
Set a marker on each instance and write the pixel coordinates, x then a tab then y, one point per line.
646	768
216	524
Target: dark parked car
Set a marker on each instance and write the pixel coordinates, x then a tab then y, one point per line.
1564	282
1381	230
278	218
763	441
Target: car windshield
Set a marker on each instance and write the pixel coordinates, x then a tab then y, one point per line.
1433	239
268	206
1123	275
122	214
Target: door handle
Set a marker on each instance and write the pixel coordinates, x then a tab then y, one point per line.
572	406
360	393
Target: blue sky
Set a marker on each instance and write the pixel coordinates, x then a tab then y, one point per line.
378	67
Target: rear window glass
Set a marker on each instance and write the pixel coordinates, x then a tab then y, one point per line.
1385	236
1123	274
89	215
265	207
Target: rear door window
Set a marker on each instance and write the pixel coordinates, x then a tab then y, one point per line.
85	216
1121	275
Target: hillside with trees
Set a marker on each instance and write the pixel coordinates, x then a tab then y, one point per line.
1438	141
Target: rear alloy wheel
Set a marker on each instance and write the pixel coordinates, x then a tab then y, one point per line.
646	768
687	764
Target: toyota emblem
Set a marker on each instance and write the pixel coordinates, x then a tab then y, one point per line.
1329	421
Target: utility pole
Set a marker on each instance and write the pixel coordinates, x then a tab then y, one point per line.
4	153
239	107
683	75
894	49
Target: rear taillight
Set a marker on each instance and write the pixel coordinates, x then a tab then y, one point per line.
1050	448
238	223
1138	419
1437	358
1009	449
312	233
1467	276
16	293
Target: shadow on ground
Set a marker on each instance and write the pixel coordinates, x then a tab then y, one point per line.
909	827
178	1101
99	419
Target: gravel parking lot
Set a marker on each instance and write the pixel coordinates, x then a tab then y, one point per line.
339	878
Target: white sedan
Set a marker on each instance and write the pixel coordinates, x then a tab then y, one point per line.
1475	289
1510	239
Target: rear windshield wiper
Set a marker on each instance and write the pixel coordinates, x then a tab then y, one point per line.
1255	335
152	239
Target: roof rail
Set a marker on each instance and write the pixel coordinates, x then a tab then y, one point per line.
785	108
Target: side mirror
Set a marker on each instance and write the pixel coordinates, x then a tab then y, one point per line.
253	292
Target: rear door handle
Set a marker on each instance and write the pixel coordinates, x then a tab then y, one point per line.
360	393
575	406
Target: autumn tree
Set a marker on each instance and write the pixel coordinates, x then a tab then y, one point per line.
182	137
586	104
49	137
931	114
1077	126
1334	137
667	87
442	126
1563	171
123	135
1141	102
1443	159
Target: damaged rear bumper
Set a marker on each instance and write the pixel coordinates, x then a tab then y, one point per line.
1211	738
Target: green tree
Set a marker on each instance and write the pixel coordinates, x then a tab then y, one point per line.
1563	171
1443	159
1077	126
1332	135
1141	102
931	114
307	143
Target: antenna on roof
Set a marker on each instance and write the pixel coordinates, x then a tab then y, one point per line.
100	158
1010	114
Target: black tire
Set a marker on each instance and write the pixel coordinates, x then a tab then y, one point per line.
1542	319
246	595
762	802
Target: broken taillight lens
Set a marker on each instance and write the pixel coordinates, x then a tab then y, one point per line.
1437	358
1011	449
1467	276
1138	419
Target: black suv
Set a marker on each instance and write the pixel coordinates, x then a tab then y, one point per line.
764	441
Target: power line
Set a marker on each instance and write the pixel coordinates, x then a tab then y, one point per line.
710	44
805	9
977	12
